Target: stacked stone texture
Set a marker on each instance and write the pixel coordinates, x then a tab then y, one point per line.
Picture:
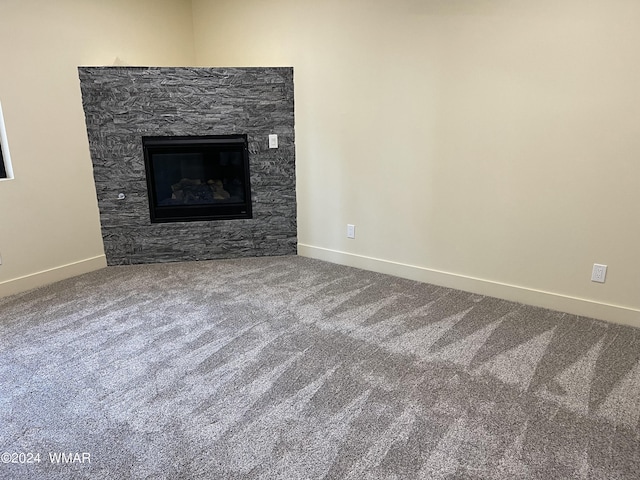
123	104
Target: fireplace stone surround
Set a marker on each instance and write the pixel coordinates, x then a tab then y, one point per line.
123	104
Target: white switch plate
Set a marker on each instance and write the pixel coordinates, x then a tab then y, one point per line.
351	231
599	273
273	140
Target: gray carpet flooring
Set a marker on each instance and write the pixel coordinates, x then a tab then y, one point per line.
292	368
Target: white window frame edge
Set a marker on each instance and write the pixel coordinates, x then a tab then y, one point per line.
5	148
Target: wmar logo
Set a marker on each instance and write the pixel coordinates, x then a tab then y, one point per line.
64	457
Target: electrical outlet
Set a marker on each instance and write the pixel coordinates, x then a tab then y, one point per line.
599	273
0	259
273	140
351	231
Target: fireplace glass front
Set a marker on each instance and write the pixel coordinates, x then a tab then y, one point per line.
197	178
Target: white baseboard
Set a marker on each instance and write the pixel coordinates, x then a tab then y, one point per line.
553	301
45	277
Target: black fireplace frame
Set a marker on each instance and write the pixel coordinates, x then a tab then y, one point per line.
197	212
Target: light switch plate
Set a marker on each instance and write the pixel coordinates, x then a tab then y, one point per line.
273	140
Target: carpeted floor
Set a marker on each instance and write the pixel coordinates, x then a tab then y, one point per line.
292	368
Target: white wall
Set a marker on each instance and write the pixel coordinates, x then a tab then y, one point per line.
487	145
482	144
49	223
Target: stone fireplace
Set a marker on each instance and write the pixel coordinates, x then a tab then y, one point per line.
236	195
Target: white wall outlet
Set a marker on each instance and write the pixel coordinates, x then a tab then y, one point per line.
0	259
273	140
599	273
351	231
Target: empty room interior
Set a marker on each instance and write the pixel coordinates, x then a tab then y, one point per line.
330	239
